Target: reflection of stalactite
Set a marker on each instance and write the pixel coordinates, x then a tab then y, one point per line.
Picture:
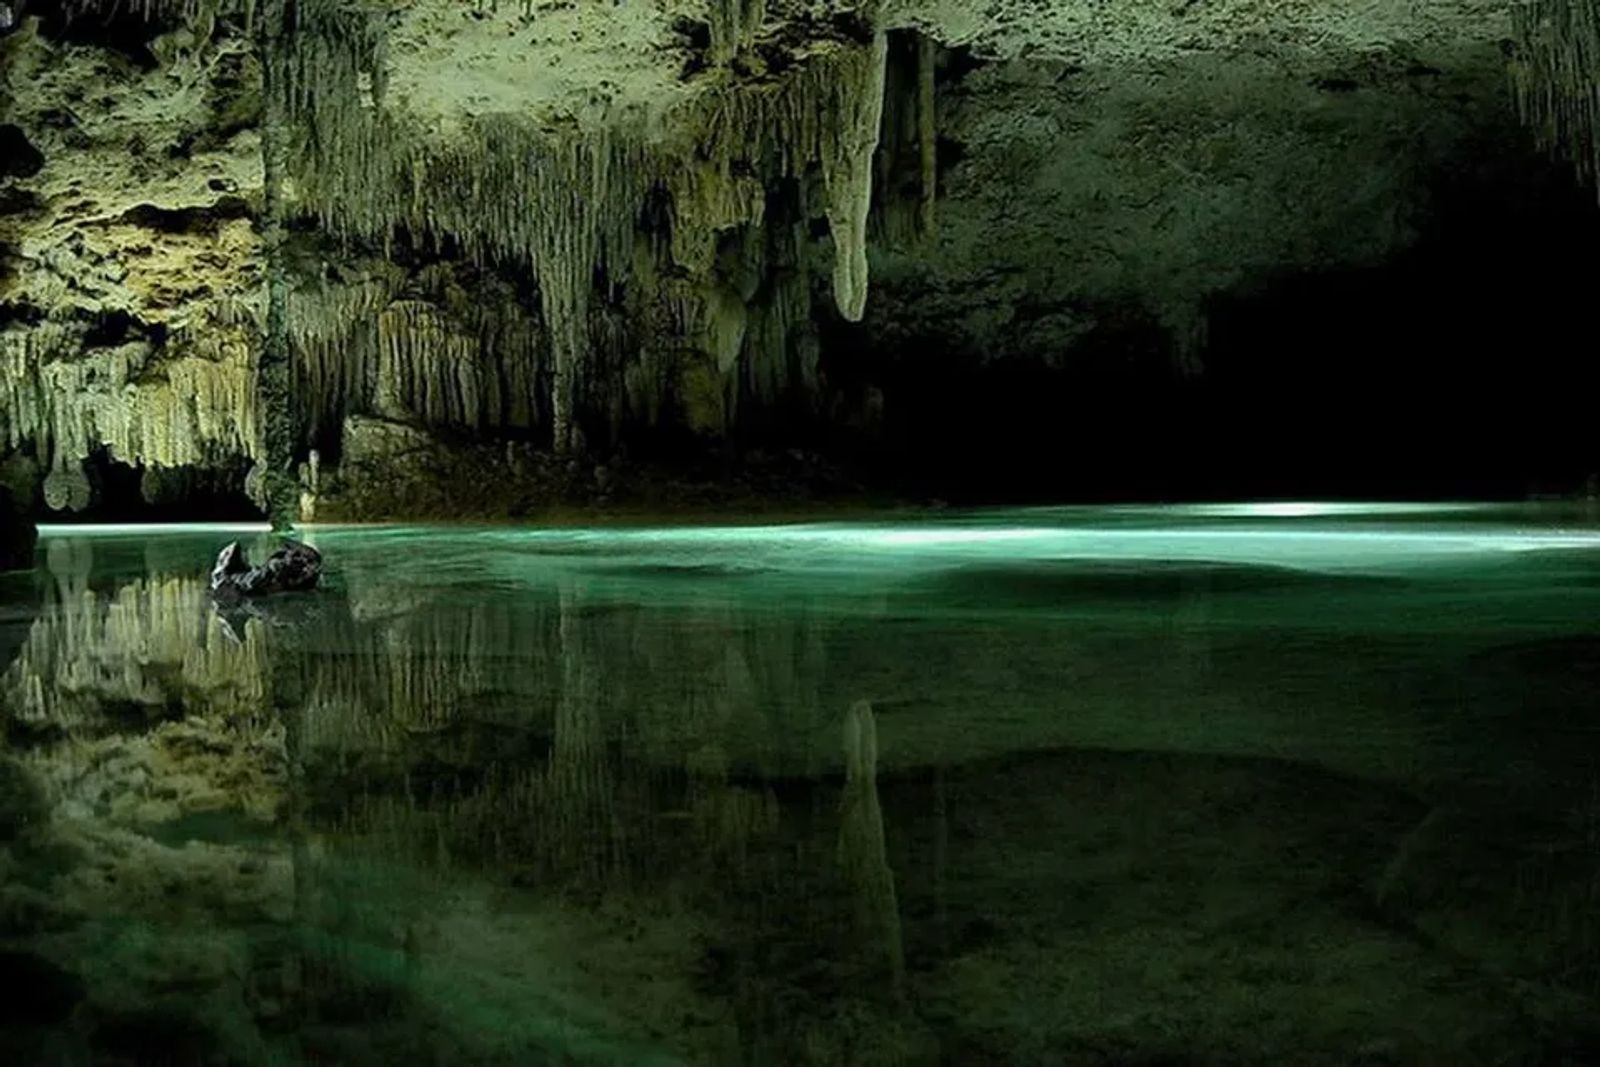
727	817
412	676
150	644
1193	626
580	785
787	664
941	857
862	850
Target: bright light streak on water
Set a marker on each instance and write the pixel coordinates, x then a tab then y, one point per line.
123	529
1334	545
1331	538
1297	509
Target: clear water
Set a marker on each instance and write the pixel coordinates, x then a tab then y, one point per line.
1209	784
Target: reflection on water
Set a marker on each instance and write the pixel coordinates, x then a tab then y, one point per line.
1051	786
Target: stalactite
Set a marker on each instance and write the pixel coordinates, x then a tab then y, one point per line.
927	135
189	11
734	25
905	187
847	153
188	404
434	354
426	367
1556	76
66	487
565	201
613	327
333	333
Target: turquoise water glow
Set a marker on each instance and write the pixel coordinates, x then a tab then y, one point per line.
1249	783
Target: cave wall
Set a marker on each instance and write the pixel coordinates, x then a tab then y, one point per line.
129	266
1114	218
885	231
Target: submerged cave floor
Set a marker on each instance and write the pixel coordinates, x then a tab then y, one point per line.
1080	907
1088	785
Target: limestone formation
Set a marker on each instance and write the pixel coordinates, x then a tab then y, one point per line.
565	226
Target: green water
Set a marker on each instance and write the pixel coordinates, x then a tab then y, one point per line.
1207	784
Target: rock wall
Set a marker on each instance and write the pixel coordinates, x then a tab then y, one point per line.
128	267
748	221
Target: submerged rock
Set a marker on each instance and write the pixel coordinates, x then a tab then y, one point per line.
294	567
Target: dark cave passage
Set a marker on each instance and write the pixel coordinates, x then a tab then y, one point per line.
135	494
1450	370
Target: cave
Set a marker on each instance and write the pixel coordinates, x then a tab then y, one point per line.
799	531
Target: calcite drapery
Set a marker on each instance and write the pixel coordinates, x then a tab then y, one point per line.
565	200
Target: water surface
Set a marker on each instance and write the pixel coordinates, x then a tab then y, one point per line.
1210	784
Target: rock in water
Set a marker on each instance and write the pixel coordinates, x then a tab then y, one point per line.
294	567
